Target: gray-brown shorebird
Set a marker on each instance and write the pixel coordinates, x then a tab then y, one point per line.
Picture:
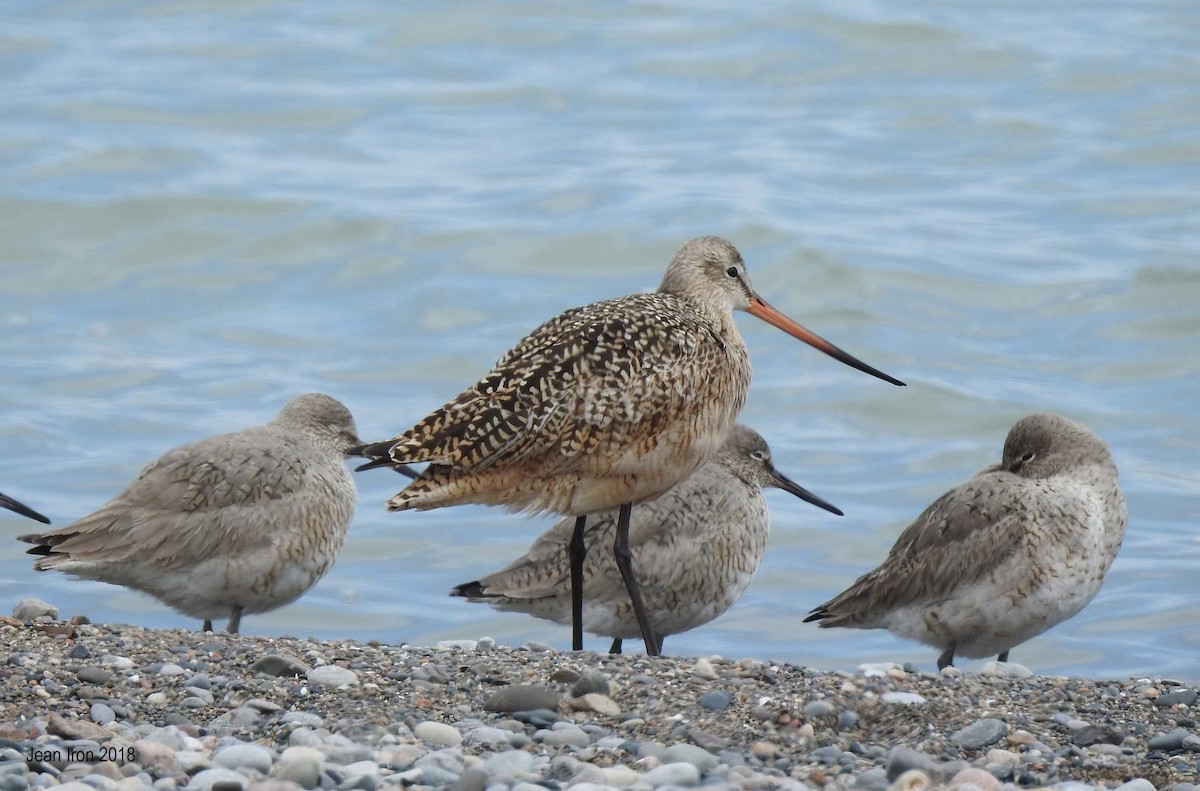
238	523
1018	548
695	550
606	405
21	508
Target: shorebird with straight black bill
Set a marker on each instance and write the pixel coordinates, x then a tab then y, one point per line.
1020	547
695	551
603	406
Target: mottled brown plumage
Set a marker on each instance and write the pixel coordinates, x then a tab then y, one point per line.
242	522
1020	547
609	404
695	550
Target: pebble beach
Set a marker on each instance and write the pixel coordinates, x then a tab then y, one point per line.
90	707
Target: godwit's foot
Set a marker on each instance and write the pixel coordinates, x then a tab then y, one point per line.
615	648
1003	657
207	626
946	658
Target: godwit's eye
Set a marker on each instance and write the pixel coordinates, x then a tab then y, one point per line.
760	455
732	271
1028	457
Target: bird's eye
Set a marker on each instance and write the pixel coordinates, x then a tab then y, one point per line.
1028	457
732	271
759	455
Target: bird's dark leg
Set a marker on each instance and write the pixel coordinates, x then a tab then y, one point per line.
207	627
947	657
624	558
235	620
1003	657
615	648
662	638
577	552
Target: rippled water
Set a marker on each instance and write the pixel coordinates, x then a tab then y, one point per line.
208	208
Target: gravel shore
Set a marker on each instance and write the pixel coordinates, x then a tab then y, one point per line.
90	707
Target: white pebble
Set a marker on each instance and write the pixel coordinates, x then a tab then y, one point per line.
332	676
438	733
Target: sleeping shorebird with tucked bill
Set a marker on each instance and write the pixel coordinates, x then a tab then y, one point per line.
1018	548
21	508
237	523
695	551
603	406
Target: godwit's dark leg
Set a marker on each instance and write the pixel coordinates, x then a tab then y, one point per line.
1003	657
624	558
207	627
947	657
235	620
616	646
576	552
662	638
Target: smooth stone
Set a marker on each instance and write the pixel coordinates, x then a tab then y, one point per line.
571	736
332	676
102	713
1185	697
206	780
522	698
846	720
438	733
1191	743
817	709
985	781
456	645
306	718
980	733
509	764
877	669
715	701
591	682
118	663
155	754
171	669
702	759
280	665
30	608
594	701
1172	740
1137	784
678	774
94	675
872	780
245	756
902	759
705	670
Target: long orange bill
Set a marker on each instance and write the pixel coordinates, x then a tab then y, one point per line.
790	486
760	308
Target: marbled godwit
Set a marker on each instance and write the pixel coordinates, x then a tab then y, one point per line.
21	508
1015	550
695	550
238	523
606	405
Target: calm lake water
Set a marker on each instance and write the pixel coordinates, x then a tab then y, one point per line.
209	208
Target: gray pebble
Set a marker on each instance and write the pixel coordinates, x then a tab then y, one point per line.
903	698
102	713
1137	784
818	709
245	756
846	720
438	733
590	682
210	778
1172	740
1185	697
901	759
30	608
522	698
332	676
487	736
715	701
570	736
305	718
980	733
509	764
703	760
280	665
678	774
94	675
